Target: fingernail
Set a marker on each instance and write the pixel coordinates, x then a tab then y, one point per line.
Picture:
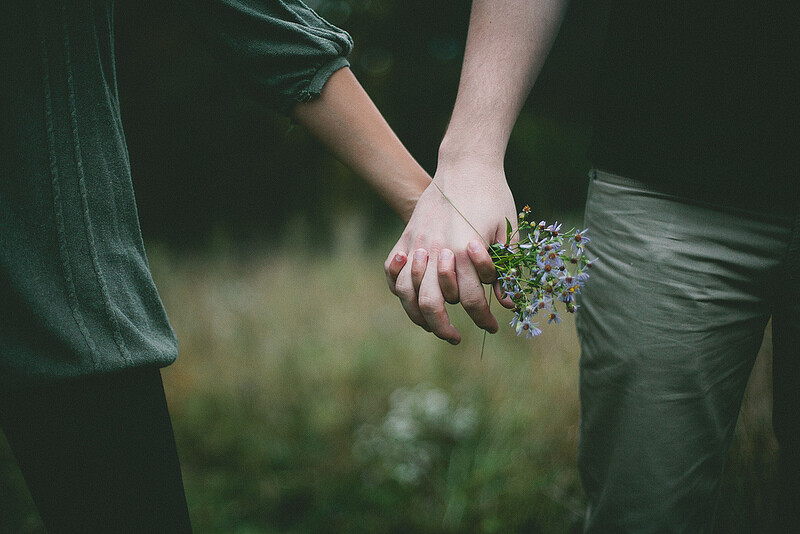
419	254
399	257
474	246
446	254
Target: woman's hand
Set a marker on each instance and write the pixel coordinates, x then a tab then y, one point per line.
507	43
449	260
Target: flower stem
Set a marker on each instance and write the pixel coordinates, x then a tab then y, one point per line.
459	212
483	343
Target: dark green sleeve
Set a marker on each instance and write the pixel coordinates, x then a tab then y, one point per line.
282	49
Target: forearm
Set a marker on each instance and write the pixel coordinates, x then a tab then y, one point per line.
507	44
347	122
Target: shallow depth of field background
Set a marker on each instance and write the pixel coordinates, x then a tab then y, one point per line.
304	401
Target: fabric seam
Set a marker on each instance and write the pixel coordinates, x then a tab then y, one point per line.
58	212
90	238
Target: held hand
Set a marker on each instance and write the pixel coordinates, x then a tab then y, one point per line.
507	43
442	258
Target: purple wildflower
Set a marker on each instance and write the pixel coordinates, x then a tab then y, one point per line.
528	328
550	261
553	318
572	282
554	228
510	282
579	241
543	302
567	295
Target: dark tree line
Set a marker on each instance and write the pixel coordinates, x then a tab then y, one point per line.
205	156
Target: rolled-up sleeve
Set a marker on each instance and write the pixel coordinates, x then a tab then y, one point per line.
281	49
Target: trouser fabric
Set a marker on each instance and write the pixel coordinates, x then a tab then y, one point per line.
98	454
670	324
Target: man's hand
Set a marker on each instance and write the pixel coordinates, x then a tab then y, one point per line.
443	258
507	43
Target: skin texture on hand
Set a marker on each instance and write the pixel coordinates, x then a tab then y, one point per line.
507	43
449	259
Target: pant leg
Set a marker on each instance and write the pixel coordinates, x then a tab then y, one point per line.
670	324
98	454
786	385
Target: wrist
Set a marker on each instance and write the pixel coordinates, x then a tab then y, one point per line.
460	165
408	199
457	151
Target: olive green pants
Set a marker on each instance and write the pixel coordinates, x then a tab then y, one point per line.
671	321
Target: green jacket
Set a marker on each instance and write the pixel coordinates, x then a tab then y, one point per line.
76	295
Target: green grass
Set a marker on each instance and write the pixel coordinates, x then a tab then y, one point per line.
285	359
304	401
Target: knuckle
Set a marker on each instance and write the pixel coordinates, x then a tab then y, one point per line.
420	240
472	300
428	305
418	267
435	248
404	291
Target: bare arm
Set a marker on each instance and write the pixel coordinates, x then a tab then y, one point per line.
507	44
344	118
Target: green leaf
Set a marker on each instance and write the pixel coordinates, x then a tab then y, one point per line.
509	231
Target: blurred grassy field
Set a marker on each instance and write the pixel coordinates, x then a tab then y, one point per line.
304	401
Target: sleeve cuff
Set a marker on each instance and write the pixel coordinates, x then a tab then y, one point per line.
320	78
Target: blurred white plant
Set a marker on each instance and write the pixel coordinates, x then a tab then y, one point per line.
421	425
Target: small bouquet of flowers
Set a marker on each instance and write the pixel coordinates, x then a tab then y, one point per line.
541	272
